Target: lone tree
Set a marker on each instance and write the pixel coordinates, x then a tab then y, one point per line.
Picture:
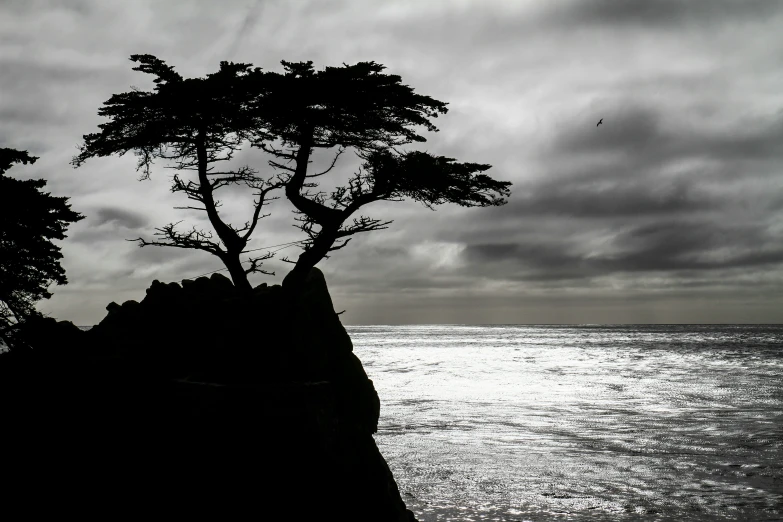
29	262
198	122
360	107
288	115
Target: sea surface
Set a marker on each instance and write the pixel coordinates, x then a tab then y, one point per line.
540	423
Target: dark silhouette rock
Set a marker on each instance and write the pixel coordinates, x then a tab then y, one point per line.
200	286
52	339
221	282
130	308
215	397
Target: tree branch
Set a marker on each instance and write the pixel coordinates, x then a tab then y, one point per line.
334	161
318	212
256	262
195	239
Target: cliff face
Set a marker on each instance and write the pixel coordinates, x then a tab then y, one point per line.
198	398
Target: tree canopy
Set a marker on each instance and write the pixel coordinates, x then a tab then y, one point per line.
200	121
360	107
29	262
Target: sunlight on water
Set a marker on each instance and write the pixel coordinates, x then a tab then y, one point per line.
581	423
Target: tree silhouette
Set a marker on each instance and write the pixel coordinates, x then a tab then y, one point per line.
29	262
197	122
360	107
288	115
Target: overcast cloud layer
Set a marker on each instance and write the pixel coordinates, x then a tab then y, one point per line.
671	211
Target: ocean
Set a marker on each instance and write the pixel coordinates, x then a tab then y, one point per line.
591	422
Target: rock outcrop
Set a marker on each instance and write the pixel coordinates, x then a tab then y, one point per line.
199	398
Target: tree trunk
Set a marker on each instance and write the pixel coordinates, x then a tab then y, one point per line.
238	275
294	280
231	240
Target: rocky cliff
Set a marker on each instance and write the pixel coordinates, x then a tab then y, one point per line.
198	400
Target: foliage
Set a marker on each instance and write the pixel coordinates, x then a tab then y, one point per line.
288	115
360	107
197	122
29	220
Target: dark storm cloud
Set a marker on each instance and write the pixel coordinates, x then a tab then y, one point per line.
91	235
106	224
667	246
673	245
650	190
657	135
678	191
662	13
121	217
541	256
616	199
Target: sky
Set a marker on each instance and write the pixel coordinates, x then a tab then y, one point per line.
671	211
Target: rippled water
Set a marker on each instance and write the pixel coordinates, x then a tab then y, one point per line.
546	423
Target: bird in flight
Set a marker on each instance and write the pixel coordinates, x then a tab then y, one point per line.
599	122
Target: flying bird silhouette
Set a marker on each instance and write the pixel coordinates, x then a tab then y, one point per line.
599	122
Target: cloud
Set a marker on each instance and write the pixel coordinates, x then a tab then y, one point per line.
120	217
613	199
676	245
247	25
665	13
682	249
677	194
648	191
634	132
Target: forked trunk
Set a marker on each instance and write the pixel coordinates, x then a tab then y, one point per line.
238	275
